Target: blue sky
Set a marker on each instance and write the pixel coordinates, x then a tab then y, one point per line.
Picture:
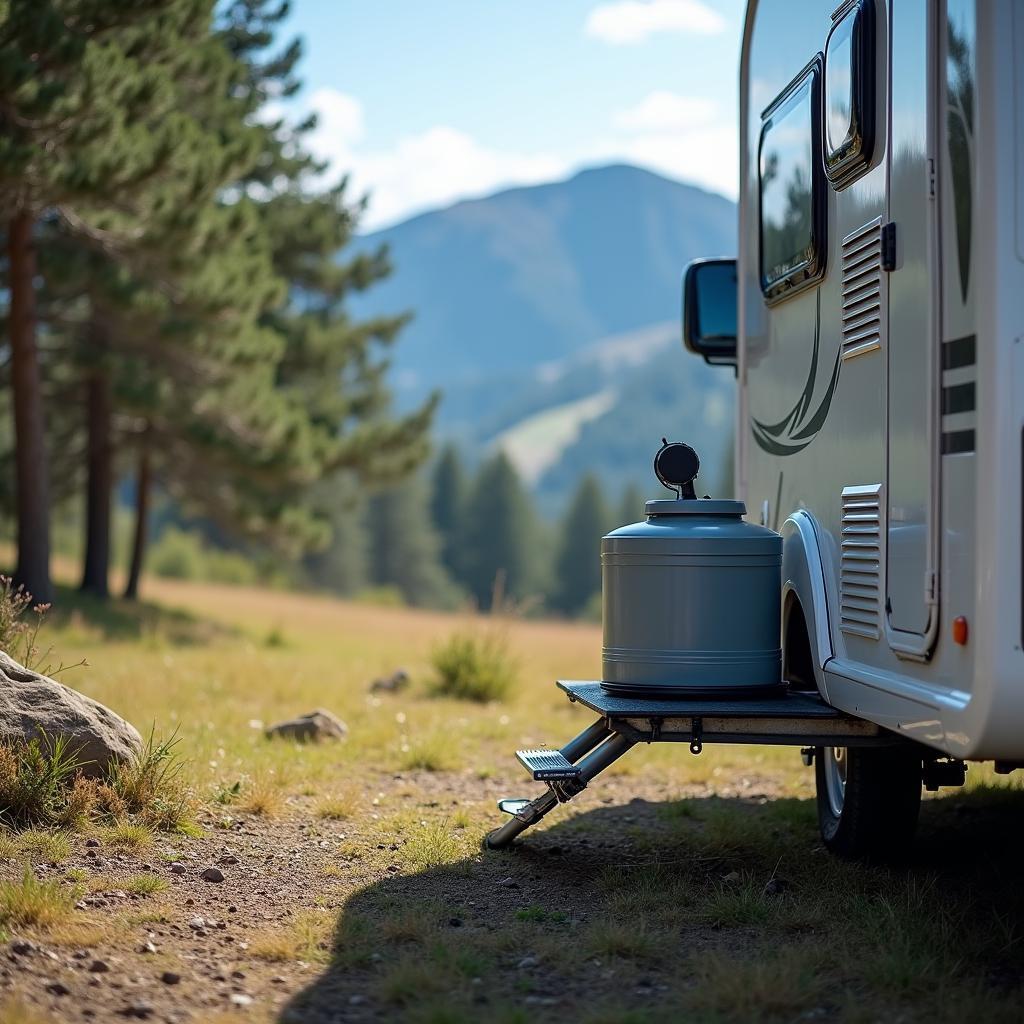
428	101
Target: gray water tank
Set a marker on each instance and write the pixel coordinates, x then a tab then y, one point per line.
691	601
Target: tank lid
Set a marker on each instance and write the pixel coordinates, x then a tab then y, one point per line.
694	507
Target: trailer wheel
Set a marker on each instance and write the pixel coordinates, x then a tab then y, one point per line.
868	801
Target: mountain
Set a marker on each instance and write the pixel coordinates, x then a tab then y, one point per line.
548	316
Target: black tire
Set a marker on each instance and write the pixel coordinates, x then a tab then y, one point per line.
873	816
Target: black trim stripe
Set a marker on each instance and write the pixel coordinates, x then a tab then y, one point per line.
958	398
957	442
959	352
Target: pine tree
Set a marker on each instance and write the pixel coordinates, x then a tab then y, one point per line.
343	566
448	507
578	562
404	548
502	537
631	506
86	118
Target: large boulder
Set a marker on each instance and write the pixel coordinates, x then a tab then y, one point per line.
32	705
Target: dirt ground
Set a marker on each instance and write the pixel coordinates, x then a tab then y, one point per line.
331	921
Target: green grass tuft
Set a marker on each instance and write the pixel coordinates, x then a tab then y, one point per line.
474	666
32	902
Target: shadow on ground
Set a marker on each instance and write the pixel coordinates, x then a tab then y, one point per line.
119	620
701	910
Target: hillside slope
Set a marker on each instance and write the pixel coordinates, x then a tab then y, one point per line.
532	274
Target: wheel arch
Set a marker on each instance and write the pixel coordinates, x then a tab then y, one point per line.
804	592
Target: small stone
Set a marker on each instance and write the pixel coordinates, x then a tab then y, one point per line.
312	727
22	947
229	858
454	922
238	974
99	967
356	1000
509	883
92	844
394	683
240	999
731	877
213	874
197	922
140	1010
177	868
776	886
278	979
147	947
146	867
170	978
81	954
58	988
527	962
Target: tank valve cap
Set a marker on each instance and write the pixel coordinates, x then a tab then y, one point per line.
676	465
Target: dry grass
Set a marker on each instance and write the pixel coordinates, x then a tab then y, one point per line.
144	884
43	845
14	1011
125	834
338	806
30	902
262	796
307	938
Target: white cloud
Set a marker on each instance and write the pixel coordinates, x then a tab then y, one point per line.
340	117
682	137
624	22
665	111
707	156
674	135
430	168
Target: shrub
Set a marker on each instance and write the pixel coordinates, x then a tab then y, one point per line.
36	778
41	785
150	786
177	555
183	555
474	666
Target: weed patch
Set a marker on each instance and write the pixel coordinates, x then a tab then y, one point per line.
474	666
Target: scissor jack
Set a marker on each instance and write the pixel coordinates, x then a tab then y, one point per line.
791	718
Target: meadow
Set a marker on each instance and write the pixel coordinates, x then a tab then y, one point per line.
354	886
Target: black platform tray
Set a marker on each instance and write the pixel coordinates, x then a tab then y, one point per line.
787	705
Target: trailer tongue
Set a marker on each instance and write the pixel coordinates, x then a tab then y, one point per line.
789	718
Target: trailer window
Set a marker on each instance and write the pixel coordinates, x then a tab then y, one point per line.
849	95
792	190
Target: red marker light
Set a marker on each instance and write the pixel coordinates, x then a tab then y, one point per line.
960	630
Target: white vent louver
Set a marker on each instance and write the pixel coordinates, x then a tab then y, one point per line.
860	573
862	290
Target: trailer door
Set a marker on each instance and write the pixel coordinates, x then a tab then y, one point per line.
912	327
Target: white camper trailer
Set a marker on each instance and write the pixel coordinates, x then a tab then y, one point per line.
875	318
875	321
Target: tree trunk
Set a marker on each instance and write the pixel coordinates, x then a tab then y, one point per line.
31	468
143	485
100	482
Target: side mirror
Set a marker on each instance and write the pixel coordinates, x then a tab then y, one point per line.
709	310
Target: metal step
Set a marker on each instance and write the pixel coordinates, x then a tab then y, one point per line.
545	765
513	804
